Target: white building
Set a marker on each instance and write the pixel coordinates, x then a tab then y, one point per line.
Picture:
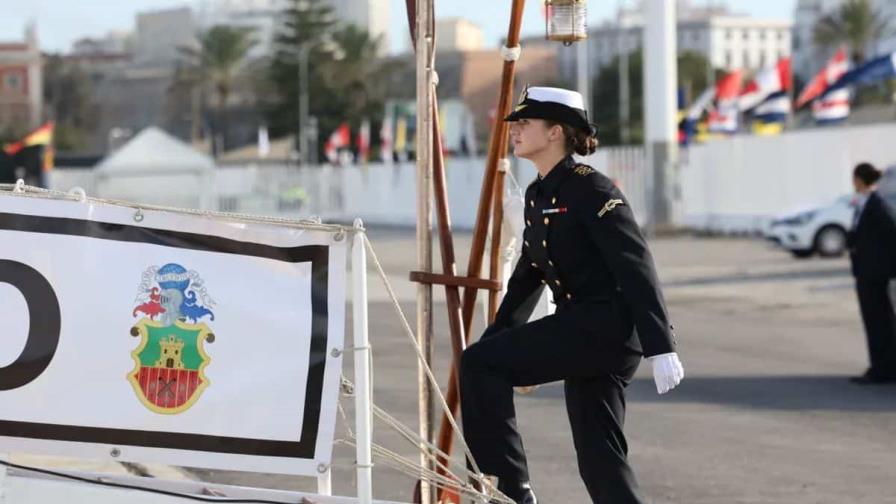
728	41
808	58
21	82
114	42
458	34
369	15
261	16
161	35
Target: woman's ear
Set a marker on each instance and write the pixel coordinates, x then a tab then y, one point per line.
555	133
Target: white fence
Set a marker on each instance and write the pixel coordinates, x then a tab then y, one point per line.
739	184
728	185
381	194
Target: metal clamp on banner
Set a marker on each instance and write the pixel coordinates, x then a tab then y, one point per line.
79	193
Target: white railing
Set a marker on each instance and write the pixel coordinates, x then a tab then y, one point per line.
739	184
727	185
381	194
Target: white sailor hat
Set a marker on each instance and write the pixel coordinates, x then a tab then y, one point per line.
555	104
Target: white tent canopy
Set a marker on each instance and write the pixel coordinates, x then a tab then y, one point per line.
183	176
153	150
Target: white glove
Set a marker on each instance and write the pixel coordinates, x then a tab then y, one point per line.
667	371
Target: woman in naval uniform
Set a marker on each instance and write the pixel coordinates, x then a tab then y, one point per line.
581	241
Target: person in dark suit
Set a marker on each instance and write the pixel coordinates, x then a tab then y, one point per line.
872	252
582	242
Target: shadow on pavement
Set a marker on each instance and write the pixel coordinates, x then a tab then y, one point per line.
786	393
840	272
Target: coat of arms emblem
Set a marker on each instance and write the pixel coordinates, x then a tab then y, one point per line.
169	362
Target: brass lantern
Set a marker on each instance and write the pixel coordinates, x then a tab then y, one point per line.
565	21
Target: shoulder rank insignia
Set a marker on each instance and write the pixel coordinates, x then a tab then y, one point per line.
613	203
584	170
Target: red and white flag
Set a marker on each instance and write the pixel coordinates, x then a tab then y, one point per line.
339	139
833	70
770	80
386	139
724	118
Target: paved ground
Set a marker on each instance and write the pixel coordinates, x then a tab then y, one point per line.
765	414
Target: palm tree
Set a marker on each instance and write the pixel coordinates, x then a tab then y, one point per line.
302	36
855	24
360	75
216	62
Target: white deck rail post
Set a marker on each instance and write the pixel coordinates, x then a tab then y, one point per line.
363	385
324	482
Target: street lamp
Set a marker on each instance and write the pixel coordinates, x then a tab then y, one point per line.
565	21
328	46
303	51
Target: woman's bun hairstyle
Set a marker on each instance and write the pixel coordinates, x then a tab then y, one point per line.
867	173
580	142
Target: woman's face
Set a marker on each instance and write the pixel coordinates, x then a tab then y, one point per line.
531	136
859	185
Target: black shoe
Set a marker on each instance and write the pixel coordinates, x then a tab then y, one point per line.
521	493
873	378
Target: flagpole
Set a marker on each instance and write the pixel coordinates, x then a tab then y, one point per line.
659	106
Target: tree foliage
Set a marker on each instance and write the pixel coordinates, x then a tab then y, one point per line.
856	24
349	88
68	98
215	63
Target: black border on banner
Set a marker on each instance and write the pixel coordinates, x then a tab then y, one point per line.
317	255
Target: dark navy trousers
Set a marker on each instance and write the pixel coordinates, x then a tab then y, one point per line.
587	345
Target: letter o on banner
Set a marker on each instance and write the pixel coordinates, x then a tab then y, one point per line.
44	324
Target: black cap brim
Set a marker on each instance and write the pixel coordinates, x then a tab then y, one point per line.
534	109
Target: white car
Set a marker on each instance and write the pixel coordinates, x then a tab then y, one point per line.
820	230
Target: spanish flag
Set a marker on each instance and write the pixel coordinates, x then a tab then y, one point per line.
41	137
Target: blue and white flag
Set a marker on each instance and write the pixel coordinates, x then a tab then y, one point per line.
696	109
775	108
878	69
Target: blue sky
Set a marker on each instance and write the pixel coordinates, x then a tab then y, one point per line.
62	21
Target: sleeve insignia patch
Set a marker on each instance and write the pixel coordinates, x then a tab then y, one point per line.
584	170
613	203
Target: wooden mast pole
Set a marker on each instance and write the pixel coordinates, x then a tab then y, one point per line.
459	316
424	77
497	151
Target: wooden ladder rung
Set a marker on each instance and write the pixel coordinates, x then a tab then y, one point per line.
454	281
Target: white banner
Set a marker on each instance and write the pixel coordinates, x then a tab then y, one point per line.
162	337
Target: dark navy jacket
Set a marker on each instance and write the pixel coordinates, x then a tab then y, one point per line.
872	244
582	241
